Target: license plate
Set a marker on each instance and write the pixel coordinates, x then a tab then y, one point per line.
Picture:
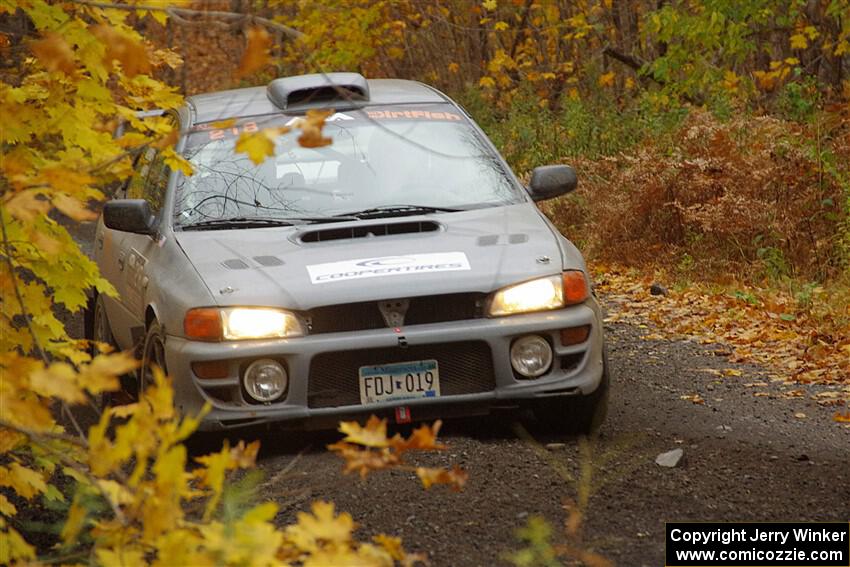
399	381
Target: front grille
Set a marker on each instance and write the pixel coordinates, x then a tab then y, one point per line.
465	368
422	310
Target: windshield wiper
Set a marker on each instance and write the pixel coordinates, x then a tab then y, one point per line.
238	222
260	222
397	211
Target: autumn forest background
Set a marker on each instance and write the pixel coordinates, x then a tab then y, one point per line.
711	139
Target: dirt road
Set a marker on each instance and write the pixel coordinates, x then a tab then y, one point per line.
746	457
754	450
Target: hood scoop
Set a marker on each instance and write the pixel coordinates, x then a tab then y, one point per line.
368	231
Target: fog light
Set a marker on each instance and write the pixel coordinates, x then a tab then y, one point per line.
531	356
265	380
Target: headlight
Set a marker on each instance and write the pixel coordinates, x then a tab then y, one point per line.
543	294
535	295
235	323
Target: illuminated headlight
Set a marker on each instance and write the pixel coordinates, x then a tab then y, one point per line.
536	295
257	323
265	380
234	323
531	356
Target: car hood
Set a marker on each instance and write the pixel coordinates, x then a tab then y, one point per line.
309	266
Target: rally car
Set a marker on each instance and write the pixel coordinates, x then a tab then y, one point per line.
402	270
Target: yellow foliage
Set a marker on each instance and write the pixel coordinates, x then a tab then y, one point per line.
88	69
55	53
374	434
798	41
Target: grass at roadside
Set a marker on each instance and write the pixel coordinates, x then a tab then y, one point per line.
744	216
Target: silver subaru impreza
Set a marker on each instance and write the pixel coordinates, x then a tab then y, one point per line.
402	270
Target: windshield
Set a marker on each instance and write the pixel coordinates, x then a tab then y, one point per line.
426	156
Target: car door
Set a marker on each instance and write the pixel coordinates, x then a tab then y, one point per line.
124	256
111	252
137	249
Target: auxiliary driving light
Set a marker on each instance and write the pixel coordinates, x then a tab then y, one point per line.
531	356
265	380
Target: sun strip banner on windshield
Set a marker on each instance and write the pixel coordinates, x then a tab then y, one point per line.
214	131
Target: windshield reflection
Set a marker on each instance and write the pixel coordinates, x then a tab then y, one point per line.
425	155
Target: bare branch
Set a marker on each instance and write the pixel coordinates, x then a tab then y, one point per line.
181	13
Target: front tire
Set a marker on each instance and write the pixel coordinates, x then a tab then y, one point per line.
153	355
577	415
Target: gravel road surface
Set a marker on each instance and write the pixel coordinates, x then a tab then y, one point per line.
754	450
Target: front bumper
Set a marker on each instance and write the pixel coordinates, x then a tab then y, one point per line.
576	370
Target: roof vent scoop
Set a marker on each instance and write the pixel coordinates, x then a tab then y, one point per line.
319	89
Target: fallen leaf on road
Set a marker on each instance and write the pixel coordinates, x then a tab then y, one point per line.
695	398
800	415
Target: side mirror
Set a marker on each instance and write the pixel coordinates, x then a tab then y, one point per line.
128	215
548	181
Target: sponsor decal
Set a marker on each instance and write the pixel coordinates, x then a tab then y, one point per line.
412	115
384	266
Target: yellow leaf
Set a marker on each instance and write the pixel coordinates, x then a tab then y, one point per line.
374	434
101	374
13	546
732	372
177	162
453	67
423	438
391	545
244	456
320	527
258	145
456	477
26	482
122	47
73	208
123	556
487	82
59	380
73	523
54	53
116	492
798	41
256	54
27	205
362	460
311	129
842	417
500	26
489	5
6	507
607	80
66	180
